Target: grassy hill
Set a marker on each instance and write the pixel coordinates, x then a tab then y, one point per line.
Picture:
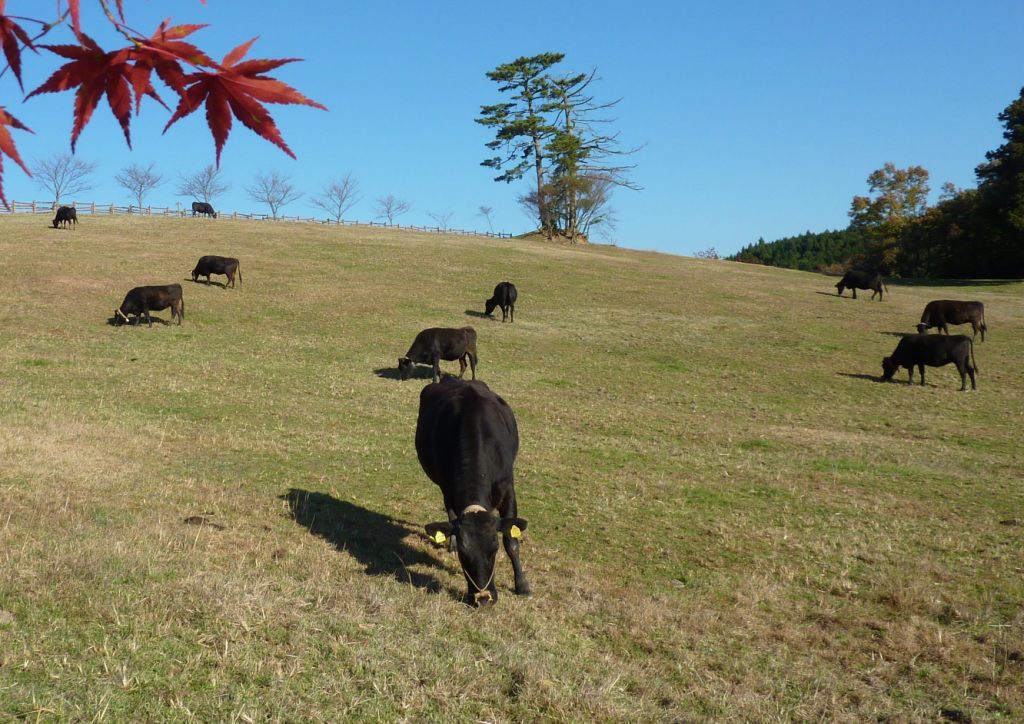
729	517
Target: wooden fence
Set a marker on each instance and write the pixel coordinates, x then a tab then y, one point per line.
93	209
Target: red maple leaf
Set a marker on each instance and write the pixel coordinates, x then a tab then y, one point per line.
95	73
239	89
11	34
7	147
161	53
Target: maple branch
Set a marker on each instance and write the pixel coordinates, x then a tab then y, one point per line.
119	27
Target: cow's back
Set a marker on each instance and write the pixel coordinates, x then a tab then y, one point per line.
466	436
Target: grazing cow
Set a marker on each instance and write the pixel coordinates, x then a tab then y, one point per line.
943	312
933	350
466	441
854	280
66	216
505	297
141	300
440	343
201	207
226	265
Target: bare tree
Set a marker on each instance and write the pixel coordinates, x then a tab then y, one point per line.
486	211
709	253
338	196
139	181
274	189
203	185
63	175
389	207
442	218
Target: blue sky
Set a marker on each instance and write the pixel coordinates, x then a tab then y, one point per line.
755	121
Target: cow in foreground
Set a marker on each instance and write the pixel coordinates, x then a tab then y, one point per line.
143	300
226	265
201	207
440	343
943	312
854	280
505	297
466	441
932	350
66	216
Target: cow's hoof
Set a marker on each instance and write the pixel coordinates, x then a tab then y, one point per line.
524	590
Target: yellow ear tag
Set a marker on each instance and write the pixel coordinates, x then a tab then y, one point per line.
439	537
515	532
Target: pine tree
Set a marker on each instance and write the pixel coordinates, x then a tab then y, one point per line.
1001	197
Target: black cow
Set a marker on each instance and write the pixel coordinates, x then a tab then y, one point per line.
854	280
943	312
226	265
933	350
141	300
505	297
436	344
466	441
66	216
201	207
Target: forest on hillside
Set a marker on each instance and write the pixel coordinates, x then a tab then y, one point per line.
969	233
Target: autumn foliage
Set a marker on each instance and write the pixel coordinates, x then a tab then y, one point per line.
231	87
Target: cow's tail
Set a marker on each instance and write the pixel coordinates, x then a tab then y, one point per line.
181	310
984	327
238	271
972	355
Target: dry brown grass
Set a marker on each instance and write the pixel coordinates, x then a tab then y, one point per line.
728	519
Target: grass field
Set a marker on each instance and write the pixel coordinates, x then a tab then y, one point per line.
730	518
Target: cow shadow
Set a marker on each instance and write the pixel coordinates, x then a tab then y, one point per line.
421	372
897	334
832	294
377	541
478	315
112	322
202	283
857	376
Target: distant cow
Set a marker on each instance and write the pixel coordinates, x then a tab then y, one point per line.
142	300
466	441
854	280
505	297
226	265
66	216
943	312
933	350
201	207
436	344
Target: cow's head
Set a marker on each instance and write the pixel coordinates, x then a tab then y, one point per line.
120	317
56	220
922	328
476	537
406	368
888	368
215	214
489	306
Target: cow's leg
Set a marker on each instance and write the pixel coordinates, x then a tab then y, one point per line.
921	370
854	290
149	319
207	280
511	313
507	509
472	363
437	367
462	366
970	371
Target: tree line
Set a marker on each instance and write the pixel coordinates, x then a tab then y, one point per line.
976	232
63	176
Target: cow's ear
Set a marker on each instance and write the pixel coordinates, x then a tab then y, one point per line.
439	532
512	526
